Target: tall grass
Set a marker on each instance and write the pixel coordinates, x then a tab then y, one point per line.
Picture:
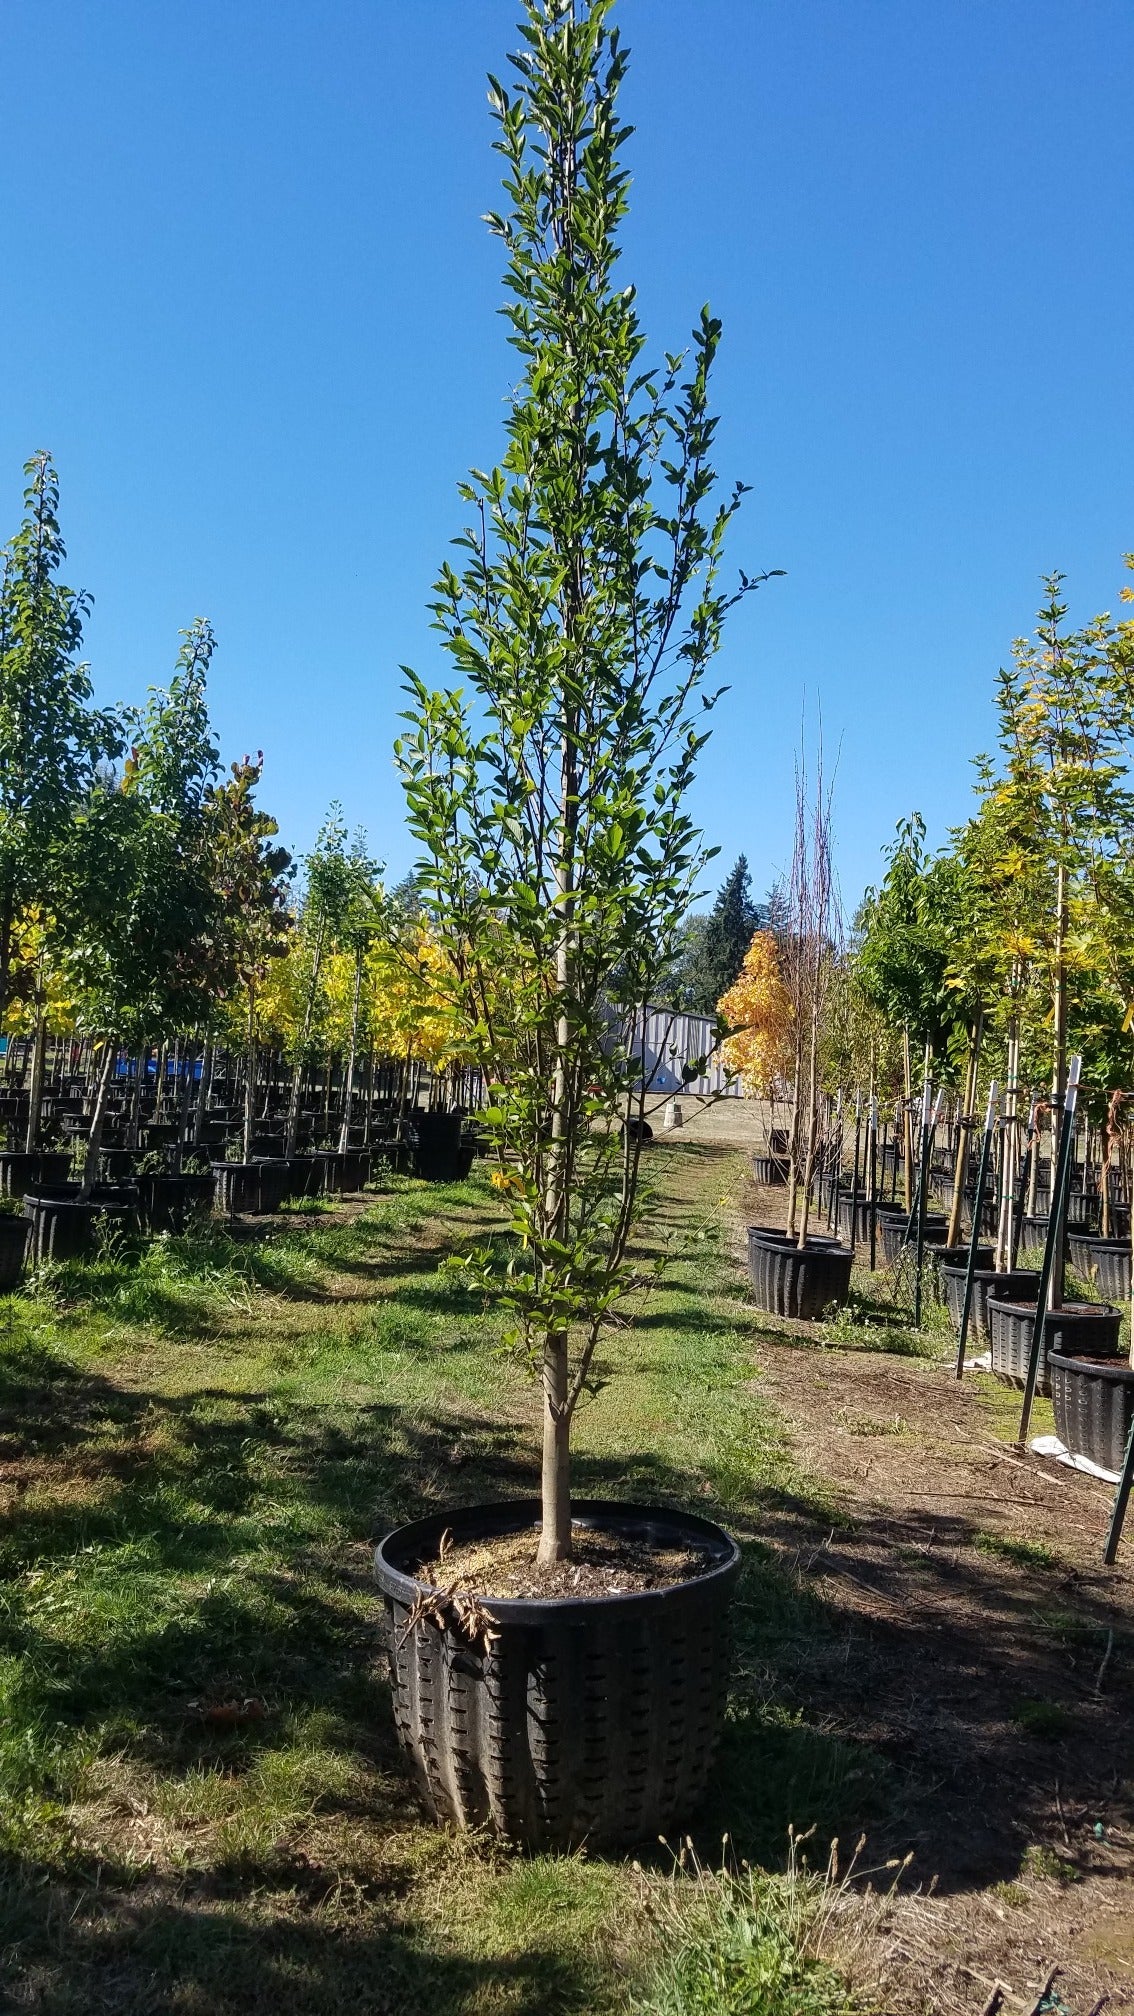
747	1942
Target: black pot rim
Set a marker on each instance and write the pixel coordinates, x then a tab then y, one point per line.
513	1515
1075	1309
1098	1368
996	1273
817	1242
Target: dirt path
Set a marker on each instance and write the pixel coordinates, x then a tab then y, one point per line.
986	1656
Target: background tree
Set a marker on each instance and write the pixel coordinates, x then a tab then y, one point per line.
143	913
758	1008
51	739
727	934
331	886
250	874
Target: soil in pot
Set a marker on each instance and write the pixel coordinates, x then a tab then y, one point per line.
554	1721
1093	1401
602	1564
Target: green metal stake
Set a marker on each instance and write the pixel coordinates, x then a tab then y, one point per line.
854	1186
1121	1500
928	1130
873	1182
978	1207
1055	1223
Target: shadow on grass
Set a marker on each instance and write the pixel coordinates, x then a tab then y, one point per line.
164	1555
306	1954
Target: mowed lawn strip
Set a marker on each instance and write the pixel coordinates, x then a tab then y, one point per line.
203	1806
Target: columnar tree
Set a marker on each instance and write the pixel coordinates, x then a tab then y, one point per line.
906	931
331	882
250	873
51	738
548	790
141	911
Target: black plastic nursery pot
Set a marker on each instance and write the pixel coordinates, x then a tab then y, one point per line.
947	1259
327	1180
770	1170
169	1203
441	1154
893	1228
61	1226
1033	1231
1106	1262
779	1141
1084	1209
570	1719
1079	1328
1014	1285
860	1216
250	1186
356	1169
1093	1400
13	1246
786	1281
22	1170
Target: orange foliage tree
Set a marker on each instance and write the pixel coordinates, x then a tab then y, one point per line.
758	1008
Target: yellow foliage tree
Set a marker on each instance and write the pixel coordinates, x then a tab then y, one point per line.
36	980
758	1007
410	1011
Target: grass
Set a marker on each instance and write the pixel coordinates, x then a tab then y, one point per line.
1025	1553
749	1943
201	1804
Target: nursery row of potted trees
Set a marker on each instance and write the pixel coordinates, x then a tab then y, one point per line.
990	1286
172	1145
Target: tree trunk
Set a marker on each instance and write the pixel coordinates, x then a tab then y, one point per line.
203	1090
98	1117
1058	1073
348	1076
907	1122
250	1075
189	1057
5	961
555	1481
960	1166
812	1130
297	1073
555	1528
35	1095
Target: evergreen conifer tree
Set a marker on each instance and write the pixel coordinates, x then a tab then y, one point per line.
727	936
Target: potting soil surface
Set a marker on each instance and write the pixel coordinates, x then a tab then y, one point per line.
603	1564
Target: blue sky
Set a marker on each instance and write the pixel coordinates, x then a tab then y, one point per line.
249	306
